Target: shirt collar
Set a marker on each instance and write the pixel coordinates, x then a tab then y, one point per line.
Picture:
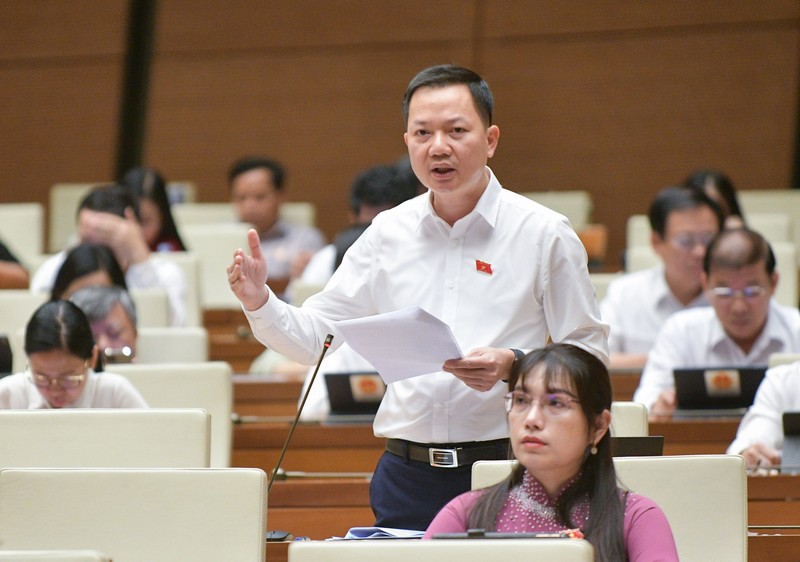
488	205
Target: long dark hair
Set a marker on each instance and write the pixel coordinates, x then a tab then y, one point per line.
59	325
147	183
598	480
82	260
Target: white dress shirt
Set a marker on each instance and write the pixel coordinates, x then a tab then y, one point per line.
102	390
779	392
636	306
695	338
151	273
538	288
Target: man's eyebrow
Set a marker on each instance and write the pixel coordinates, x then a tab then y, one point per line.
450	121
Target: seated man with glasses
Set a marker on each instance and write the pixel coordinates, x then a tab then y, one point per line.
61	353
743	326
636	305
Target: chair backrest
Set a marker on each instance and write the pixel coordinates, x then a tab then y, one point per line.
17	306
105	438
786	265
214	245
54	555
783	359
774	226
22	229
703	496
186	214
640	257
152	307
301	213
189	263
629	419
600	281
62	212
300	291
576	205
172	345
190	385
201	514
637	231
463	550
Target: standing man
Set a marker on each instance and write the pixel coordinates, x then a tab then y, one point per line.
506	274
257	193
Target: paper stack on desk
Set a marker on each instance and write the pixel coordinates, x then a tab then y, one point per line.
382	533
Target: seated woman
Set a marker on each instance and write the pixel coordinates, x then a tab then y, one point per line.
87	265
61	351
559	408
155	216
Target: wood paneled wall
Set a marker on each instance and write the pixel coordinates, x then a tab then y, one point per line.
619	98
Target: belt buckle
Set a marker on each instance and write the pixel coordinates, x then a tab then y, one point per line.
443	458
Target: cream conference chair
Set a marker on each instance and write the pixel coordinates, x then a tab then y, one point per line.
190	385
105	438
462	550
169	515
703	496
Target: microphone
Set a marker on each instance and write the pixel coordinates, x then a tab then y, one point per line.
325	346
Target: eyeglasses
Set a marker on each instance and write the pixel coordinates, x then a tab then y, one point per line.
553	405
749	293
688	241
66	382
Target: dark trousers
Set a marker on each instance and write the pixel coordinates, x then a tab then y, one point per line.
406	494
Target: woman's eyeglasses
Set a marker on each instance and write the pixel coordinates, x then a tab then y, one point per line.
66	382
553	405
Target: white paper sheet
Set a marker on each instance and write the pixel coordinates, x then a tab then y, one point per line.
402	344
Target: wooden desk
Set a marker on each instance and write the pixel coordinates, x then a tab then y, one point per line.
266	396
624	383
774	500
230	338
314	447
319	508
696	436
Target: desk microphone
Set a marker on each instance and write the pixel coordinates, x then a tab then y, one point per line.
325	346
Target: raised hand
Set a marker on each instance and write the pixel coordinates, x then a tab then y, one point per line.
247	275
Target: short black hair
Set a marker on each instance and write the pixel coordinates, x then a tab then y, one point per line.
449	75
679	198
254	163
380	185
112	199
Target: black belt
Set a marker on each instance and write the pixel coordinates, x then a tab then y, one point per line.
450	455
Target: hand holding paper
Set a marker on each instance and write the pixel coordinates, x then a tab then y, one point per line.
402	344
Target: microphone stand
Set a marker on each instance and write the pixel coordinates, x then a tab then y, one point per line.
325	346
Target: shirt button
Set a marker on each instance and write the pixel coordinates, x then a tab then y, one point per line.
450	284
456	241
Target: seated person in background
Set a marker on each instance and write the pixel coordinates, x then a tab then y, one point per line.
373	190
155	216
742	327
108	216
12	274
636	305
257	194
86	265
760	434
112	315
719	187
61	351
559	412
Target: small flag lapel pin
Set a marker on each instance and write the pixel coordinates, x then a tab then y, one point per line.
483	267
